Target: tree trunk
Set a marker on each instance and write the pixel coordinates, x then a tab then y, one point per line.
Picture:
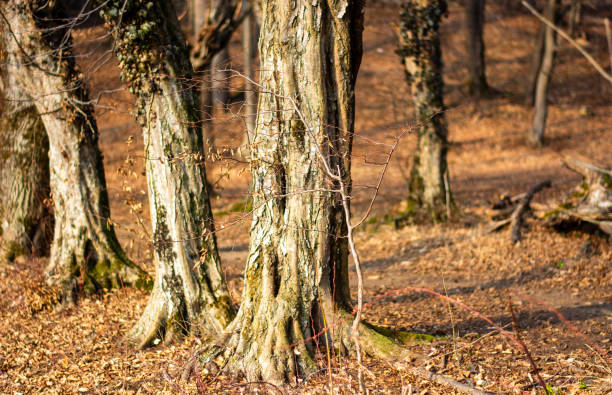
189	292
536	64
220	77
296	276
419	46
84	246
25	219
248	54
214	23
474	20
536	136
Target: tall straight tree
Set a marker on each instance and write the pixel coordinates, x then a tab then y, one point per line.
474	23
419	47
536	135
84	245
189	293
25	219
296	275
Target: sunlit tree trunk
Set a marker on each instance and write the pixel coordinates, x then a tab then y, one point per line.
474	21
296	276
25	220
85	250
419	47
190	293
536	135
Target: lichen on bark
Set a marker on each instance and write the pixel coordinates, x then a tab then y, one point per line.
419	49
85	253
189	291
25	219
296	295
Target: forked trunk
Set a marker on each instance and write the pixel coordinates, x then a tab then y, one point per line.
189	292
419	47
25	219
474	20
85	250
536	136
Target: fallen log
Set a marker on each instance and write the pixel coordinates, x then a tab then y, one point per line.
590	202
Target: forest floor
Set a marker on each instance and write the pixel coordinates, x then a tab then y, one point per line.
83	349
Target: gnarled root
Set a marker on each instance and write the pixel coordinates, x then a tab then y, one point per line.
280	351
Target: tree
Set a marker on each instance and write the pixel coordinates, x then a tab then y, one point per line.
419	47
474	21
25	219
85	247
296	292
189	291
544	74
214	23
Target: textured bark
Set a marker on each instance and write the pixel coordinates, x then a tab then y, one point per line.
296	276
536	135
25	220
419	47
84	245
189	292
474	21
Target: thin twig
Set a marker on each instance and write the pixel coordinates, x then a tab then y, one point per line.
563	34
534	367
609	38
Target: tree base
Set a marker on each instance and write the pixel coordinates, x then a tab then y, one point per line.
274	358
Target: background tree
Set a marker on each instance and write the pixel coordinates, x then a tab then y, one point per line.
189	291
419	47
546	54
474	23
214	23
296	276
25	219
84	245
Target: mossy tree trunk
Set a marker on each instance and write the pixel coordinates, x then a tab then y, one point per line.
85	250
296	275
190	293
474	21
536	134
419	47
25	219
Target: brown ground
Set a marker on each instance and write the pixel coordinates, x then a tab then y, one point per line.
82	350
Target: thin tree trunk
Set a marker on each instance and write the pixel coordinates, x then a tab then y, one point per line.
248	53
419	46
190	293
536	136
536	64
200	17
220	76
474	20
296	276
85	248
25	220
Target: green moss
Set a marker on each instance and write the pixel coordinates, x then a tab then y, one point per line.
406	338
